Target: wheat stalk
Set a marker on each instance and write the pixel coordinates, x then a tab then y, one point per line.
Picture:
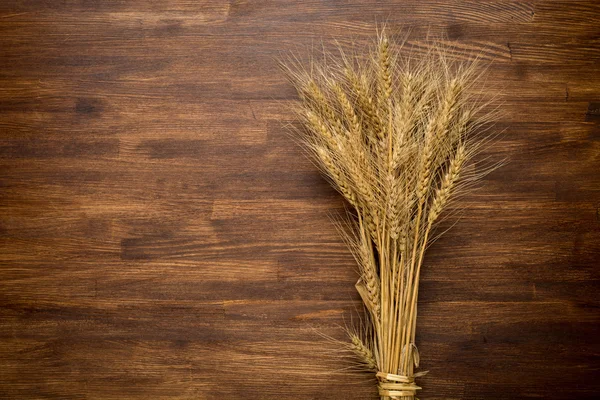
394	138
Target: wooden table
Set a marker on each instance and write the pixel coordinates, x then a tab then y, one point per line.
163	237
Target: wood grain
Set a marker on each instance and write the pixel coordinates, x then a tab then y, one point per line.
163	237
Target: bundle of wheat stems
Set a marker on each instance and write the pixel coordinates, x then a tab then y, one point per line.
392	134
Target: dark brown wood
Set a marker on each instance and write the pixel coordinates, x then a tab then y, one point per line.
162	237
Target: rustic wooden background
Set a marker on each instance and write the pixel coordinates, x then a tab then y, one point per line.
162	237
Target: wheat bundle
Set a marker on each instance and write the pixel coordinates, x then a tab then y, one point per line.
393	137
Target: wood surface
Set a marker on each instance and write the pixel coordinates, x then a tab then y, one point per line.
163	237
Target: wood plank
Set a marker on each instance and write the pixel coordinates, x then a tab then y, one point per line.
162	235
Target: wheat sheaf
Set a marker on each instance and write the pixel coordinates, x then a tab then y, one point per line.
393	134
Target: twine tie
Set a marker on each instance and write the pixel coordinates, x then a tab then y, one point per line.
392	385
